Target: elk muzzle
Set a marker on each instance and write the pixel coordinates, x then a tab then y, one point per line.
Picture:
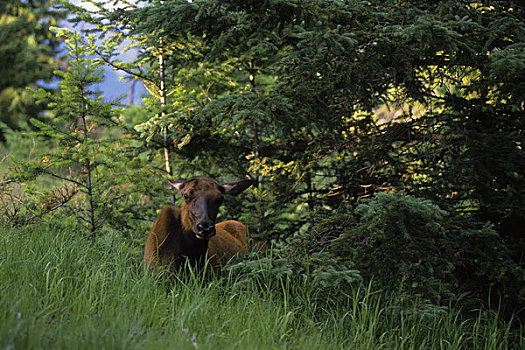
205	229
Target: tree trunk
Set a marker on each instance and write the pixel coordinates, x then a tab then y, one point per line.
89	184
162	90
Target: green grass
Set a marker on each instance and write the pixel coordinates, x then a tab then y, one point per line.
60	291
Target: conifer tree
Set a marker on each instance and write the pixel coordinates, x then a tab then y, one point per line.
86	155
360	97
152	67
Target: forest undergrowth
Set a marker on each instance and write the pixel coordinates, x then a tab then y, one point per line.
59	290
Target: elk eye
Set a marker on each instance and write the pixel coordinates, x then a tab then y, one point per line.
186	197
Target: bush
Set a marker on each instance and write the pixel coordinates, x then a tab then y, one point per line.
317	280
399	243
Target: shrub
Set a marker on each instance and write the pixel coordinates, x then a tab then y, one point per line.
399	243
317	280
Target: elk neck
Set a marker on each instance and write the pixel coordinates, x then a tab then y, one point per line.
193	248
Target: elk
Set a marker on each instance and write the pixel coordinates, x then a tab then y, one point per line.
189	233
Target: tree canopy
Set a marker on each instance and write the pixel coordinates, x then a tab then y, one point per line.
344	98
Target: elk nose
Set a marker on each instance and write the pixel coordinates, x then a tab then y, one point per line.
207	229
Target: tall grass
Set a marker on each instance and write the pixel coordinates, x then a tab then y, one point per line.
60	291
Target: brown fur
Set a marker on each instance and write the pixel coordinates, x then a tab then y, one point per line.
230	239
172	239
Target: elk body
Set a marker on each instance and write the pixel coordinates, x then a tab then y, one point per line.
189	233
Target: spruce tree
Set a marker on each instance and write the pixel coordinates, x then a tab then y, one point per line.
86	156
335	100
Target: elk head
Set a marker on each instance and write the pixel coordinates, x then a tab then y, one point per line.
202	198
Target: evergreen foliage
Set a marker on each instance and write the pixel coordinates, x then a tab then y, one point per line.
348	97
395	243
93	158
410	245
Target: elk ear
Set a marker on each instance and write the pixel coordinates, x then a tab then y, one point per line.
236	187
176	184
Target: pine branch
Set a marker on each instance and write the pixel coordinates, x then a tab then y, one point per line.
66	179
59	205
125	70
